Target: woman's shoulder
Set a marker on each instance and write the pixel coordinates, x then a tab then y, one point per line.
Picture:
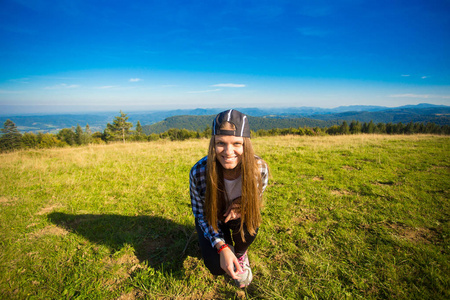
262	165
200	166
259	160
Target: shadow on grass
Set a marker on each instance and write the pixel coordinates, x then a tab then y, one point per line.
157	241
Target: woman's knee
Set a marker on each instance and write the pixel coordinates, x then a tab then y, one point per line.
214	266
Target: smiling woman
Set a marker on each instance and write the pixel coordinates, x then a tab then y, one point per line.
226	189
229	151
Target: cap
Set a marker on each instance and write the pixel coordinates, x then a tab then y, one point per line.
236	118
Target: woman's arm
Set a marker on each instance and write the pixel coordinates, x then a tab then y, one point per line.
234	211
228	261
197	188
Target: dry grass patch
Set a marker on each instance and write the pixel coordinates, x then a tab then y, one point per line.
348	168
341	193
50	230
415	235
129	296
305	218
48	209
122	267
304	214
6	201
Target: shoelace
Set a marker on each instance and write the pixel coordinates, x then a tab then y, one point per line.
242	261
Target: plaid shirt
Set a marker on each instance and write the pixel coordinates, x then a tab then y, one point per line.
197	181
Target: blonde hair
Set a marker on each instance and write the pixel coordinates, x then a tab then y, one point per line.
215	204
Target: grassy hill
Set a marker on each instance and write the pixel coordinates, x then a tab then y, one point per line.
357	217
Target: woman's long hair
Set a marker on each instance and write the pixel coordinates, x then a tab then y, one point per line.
215	204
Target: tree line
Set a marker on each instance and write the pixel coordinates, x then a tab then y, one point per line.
357	127
121	130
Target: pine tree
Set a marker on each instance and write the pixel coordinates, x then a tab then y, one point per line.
390	128
381	128
79	135
119	127
11	138
399	128
88	129
344	129
371	127
140	135
355	127
139	128
409	129
207	132
87	136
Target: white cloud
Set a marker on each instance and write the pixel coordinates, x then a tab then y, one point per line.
424	77
135	79
231	85
406	75
106	87
20	80
206	91
62	86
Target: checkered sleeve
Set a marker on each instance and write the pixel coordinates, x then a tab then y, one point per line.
197	188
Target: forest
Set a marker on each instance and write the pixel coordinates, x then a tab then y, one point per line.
121	130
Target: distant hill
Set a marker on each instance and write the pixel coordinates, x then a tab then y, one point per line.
424	113
262	118
200	123
96	121
54	123
312	112
438	115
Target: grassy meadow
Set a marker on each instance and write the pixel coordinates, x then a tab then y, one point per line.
344	217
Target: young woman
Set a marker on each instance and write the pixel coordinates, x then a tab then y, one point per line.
226	189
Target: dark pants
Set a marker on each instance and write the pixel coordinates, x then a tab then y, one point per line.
232	237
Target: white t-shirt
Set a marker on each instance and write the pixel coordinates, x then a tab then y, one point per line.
233	189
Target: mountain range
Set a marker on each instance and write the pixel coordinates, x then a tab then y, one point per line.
264	118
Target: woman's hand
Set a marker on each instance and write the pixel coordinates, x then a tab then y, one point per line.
234	211
228	262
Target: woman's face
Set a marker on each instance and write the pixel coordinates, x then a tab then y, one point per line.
229	150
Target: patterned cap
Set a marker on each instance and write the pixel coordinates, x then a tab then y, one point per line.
236	118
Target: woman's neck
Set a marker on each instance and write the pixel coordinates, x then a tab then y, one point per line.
232	174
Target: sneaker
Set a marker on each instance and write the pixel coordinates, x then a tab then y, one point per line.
246	276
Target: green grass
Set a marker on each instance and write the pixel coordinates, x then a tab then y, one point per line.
345	217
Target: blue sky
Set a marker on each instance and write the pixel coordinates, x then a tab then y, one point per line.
91	55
